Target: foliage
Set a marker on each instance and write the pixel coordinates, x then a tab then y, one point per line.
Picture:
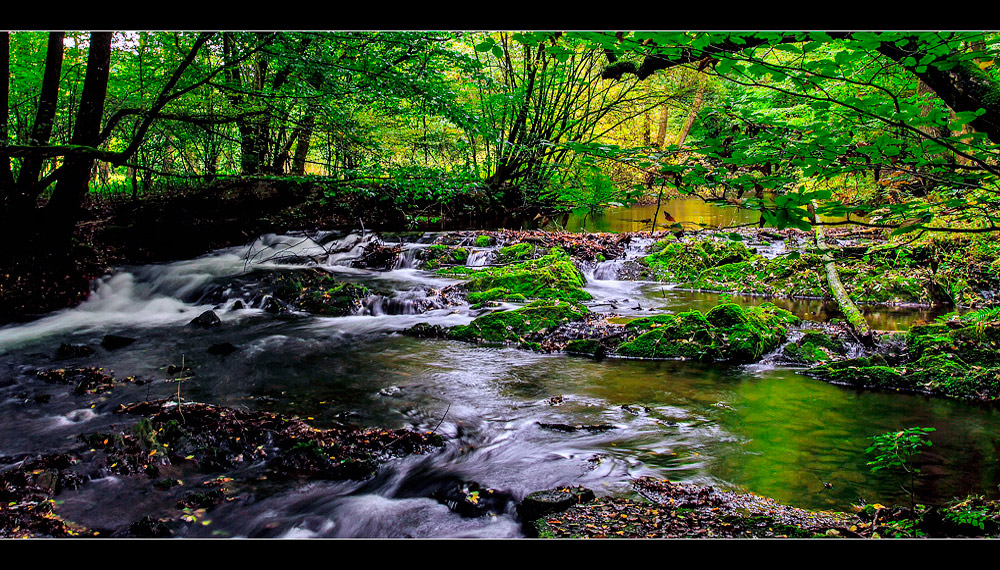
895	450
906	114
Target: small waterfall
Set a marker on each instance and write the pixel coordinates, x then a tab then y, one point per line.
402	303
607	270
407	258
272	248
479	258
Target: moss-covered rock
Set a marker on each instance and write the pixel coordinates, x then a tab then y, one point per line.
516	252
586	346
681	262
437	256
553	276
316	292
525	326
953	359
727	332
814	347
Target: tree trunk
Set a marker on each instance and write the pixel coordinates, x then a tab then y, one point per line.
41	130
302	148
71	188
856	320
6	175
18	214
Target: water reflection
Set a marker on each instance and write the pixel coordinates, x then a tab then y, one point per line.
692	212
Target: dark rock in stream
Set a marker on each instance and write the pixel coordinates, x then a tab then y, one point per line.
148	527
469	499
208	319
73	351
222	348
26	490
90	380
543	503
594	428
114	342
425	330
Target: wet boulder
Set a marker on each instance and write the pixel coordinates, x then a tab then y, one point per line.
222	348
206	320
148	527
544	503
67	350
469	499
114	341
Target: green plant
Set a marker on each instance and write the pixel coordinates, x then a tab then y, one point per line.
971	516
895	450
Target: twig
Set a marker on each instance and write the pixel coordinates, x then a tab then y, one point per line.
442	419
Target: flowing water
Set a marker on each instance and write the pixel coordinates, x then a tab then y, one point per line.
759	428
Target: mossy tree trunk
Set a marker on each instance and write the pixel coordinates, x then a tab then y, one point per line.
854	317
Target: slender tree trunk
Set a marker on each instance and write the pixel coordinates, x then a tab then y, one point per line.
18	214
854	317
661	136
41	130
6	175
71	188
305	138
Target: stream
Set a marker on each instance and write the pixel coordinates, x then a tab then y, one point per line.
758	428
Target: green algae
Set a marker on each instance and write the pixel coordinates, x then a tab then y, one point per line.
516	252
524	326
587	346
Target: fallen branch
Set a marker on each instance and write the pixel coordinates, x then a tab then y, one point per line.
856	320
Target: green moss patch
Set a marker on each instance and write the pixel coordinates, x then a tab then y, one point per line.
525	326
727	332
814	347
681	262
957	358
437	256
552	276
